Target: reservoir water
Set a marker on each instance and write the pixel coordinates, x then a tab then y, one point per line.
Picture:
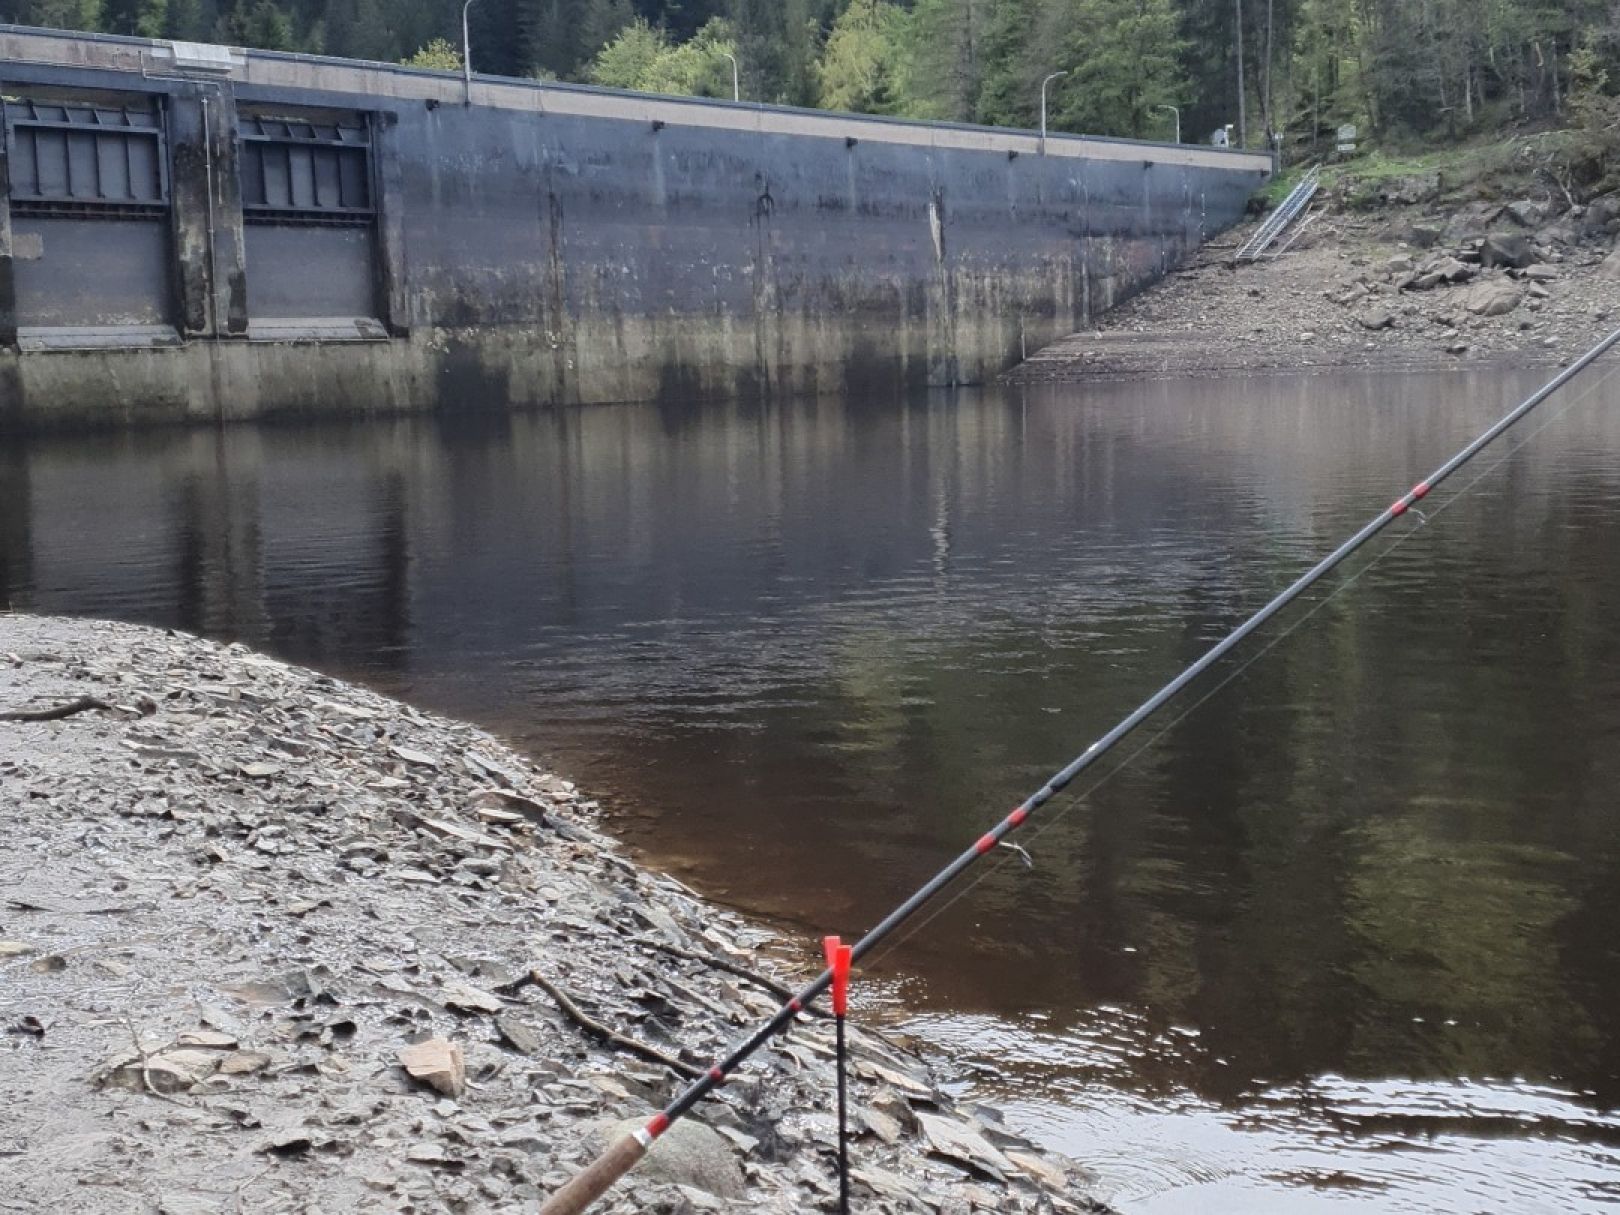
1341	933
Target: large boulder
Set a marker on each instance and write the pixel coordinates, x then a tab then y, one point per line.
1507	249
1610	269
1376	318
1525	213
1601	214
1471	223
1439	270
1454	271
1492	297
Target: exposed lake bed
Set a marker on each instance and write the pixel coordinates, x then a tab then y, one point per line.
1347	914
273	942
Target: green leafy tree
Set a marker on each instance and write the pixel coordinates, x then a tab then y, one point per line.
863	65
1595	157
645	59
630	58
62	14
1325	72
438	54
697	67
1399	69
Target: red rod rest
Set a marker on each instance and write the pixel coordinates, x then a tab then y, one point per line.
838	956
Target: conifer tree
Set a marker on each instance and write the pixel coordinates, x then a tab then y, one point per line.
1126	57
946	38
862	67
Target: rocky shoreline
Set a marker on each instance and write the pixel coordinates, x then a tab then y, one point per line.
271	942
1417	283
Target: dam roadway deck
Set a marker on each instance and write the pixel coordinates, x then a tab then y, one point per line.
267	234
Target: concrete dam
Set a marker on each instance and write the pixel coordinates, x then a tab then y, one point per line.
201	234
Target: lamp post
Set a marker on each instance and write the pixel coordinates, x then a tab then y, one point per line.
1176	110
1044	83
466	53
736	88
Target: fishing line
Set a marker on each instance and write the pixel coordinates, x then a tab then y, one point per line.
621	1155
1056	816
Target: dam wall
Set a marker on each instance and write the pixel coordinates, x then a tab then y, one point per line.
199	233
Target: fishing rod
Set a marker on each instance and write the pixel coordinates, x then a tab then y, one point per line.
621	1156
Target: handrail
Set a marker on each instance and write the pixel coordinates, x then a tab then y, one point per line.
1279	219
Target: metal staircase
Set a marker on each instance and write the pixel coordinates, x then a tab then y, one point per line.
1298	199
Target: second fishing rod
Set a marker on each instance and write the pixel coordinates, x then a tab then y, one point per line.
619	1157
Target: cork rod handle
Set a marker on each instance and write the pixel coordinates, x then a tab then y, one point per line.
597	1179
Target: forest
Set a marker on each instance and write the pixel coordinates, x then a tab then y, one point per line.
1399	70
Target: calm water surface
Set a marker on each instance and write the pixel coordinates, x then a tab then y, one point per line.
1345	936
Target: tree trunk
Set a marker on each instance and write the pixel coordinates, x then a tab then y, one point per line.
1557	100
1243	121
1271	123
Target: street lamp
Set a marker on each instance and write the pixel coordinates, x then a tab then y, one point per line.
466	53
736	89
1176	110
1044	83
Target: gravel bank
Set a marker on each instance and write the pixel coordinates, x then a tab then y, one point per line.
1403	288
233	897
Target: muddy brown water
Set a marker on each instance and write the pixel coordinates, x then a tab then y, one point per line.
1343	936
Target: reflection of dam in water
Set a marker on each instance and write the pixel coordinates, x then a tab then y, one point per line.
279	233
1372	874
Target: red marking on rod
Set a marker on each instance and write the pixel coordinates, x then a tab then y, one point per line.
839	957
1399	508
795	1005
1421	489
1017	817
986	842
658	1125
716	1075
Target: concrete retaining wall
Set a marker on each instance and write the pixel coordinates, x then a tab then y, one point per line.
564	245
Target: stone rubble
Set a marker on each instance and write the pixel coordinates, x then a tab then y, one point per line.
1413	286
289	923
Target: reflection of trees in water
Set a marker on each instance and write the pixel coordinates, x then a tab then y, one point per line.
1398	819
212	493
829	643
16	512
355	611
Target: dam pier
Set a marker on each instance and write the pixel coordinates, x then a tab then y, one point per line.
201	234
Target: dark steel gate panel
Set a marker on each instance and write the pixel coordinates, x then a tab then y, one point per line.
82	273
299	171
89	213
309	215
76	154
309	271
